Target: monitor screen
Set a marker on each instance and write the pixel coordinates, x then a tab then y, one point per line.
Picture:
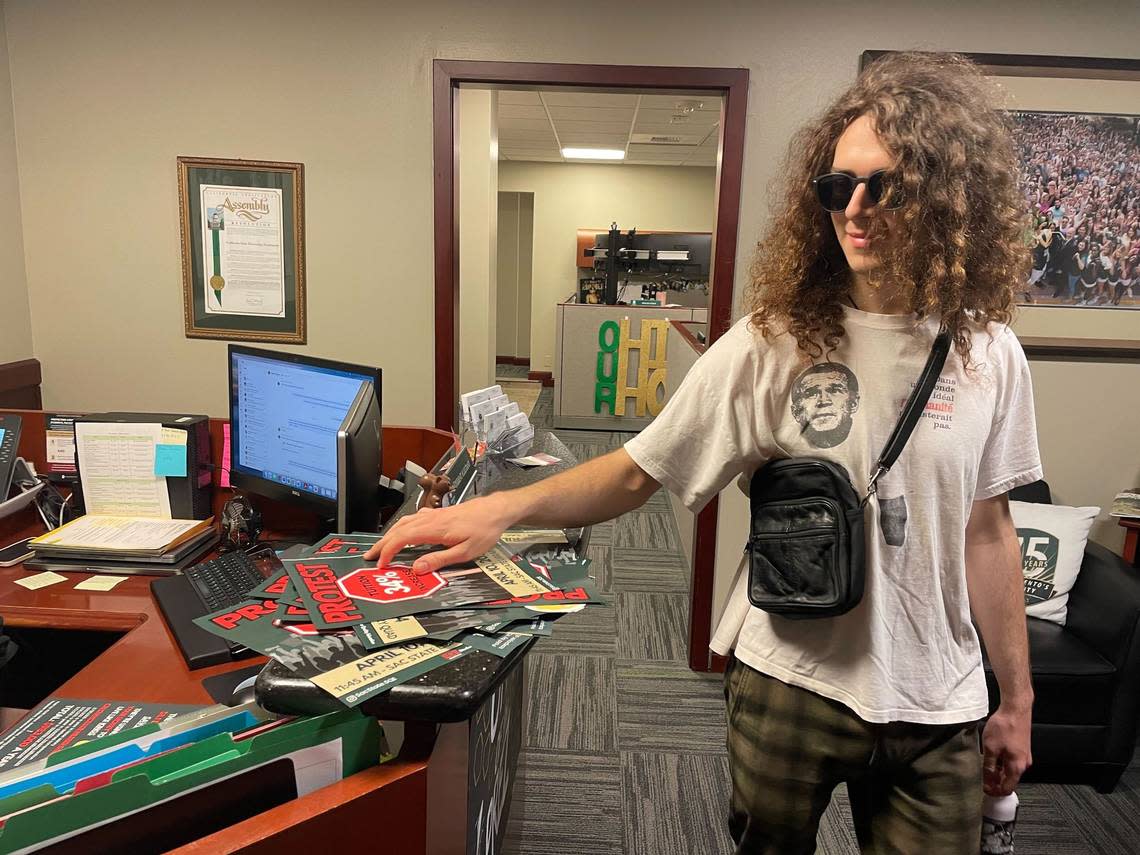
285	412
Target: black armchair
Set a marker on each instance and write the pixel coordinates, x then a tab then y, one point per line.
1086	674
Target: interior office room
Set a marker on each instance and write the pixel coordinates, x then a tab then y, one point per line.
275	277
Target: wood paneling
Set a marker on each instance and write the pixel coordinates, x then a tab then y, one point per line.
701	592
20	384
544	377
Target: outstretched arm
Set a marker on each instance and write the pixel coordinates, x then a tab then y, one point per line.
597	490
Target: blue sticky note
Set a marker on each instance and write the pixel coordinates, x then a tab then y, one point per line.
170	460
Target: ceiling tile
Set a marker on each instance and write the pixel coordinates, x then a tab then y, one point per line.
521	111
589	99
510	96
525	125
710	103
596	140
591	127
664	117
538	158
527	133
660	152
592	114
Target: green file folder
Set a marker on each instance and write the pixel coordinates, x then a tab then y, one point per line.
153	781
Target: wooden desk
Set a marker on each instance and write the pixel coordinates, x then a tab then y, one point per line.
1131	539
145	664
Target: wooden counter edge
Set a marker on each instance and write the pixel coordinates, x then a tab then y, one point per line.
303	819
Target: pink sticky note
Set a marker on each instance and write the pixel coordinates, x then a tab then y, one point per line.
225	474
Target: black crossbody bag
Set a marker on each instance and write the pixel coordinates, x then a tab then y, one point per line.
806	547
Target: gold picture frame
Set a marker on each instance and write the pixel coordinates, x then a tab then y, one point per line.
264	300
1066	84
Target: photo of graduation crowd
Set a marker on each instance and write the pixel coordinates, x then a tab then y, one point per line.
1081	175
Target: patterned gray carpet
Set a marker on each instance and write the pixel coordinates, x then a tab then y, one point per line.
511	372
624	748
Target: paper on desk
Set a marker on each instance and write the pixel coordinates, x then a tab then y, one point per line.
99	583
116	464
107	532
40	580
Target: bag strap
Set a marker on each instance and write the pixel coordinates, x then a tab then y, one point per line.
915	404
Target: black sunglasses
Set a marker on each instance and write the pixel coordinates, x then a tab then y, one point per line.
835	189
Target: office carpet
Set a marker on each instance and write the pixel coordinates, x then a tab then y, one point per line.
624	747
525	393
511	372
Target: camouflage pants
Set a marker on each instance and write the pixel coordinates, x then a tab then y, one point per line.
914	788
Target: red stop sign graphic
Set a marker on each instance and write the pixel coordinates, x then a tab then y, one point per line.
392	584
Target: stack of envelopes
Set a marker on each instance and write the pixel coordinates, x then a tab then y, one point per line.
356	630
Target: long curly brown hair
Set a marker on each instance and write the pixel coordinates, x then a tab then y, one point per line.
960	248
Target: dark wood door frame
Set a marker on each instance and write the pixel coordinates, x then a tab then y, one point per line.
729	83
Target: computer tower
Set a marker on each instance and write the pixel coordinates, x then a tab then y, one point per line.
191	496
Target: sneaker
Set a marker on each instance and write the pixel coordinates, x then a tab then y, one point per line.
997	836
999	816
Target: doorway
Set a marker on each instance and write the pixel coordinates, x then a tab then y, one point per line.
730	86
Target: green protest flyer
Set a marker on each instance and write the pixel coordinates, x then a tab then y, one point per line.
340	545
289	605
499	645
254	625
272	588
438	625
556	600
341	592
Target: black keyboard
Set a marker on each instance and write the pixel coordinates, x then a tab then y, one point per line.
225	580
209	587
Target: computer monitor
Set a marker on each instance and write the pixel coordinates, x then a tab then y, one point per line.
307	431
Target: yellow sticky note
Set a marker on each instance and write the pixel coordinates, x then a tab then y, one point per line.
99	583
173	436
40	580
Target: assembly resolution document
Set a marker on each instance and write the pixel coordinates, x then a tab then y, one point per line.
116	466
243	251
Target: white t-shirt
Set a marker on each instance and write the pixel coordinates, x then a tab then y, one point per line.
908	651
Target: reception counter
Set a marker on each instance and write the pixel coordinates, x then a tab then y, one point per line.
614	365
462	724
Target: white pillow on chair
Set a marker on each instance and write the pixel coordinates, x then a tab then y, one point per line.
1052	539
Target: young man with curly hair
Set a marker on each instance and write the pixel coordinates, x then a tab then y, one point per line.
901	216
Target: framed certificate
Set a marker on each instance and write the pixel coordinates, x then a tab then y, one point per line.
1077	128
243	249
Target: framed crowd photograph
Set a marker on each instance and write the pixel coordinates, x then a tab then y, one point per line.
1076	124
243	249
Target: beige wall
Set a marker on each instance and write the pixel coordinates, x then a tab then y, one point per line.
516	243
478	247
572	196
107	95
1086	417
15	319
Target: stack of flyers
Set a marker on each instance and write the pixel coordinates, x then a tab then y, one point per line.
355	629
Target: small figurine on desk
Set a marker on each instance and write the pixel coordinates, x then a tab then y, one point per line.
241	524
435	488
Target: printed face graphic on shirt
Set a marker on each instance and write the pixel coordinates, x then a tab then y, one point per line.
824	399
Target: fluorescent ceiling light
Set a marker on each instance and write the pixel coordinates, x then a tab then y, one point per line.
594	153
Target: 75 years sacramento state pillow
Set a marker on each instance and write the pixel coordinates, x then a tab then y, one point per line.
1052	539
